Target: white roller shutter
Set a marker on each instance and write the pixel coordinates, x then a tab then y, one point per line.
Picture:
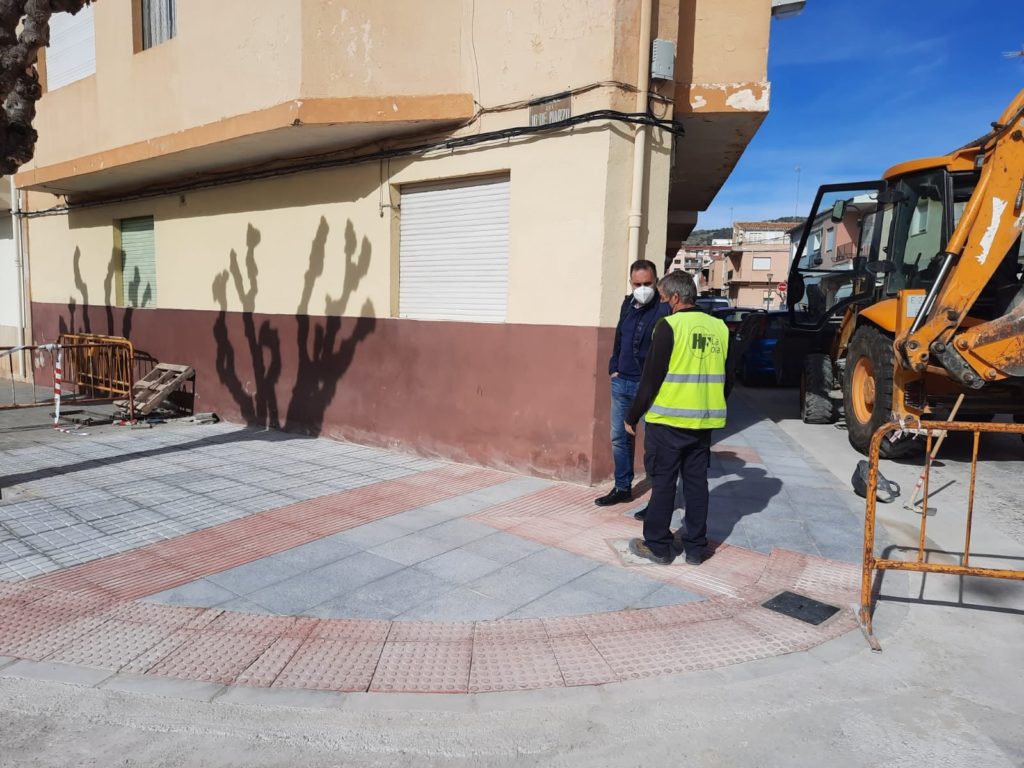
139	275
72	52
453	251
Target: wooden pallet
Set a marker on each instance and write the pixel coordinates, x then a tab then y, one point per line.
156	386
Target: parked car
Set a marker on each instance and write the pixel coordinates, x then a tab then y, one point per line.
710	303
733	316
757	342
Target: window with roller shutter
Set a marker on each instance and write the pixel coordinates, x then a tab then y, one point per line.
138	276
71	55
453	250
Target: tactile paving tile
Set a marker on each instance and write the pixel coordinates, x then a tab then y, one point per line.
580	662
111	645
217	657
688	613
54	637
563	625
264	671
331	665
783	570
502	666
509	631
170	616
431	632
252	623
617	621
358	630
822	576
423	667
149	658
633	655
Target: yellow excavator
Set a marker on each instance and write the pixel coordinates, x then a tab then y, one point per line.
906	292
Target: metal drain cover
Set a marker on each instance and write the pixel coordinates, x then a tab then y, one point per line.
801	607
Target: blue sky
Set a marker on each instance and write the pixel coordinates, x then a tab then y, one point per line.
860	86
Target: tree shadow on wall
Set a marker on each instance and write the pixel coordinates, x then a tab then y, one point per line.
72	324
323	351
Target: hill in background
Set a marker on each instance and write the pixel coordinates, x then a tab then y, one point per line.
705	236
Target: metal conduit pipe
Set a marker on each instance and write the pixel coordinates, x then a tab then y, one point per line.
643	83
19	266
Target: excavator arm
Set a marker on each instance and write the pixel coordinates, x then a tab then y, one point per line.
975	353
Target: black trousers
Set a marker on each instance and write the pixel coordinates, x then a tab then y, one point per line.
671	452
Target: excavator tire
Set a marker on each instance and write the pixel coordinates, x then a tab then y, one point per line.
816	385
867	392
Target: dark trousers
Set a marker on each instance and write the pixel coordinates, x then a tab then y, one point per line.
668	453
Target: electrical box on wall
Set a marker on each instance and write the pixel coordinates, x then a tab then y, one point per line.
663	60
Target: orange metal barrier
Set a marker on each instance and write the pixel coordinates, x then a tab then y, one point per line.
919	563
98	366
86	369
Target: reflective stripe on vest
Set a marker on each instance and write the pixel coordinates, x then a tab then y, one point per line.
692	395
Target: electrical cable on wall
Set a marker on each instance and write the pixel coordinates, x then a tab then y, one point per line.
314	163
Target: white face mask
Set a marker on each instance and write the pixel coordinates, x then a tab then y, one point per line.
643	294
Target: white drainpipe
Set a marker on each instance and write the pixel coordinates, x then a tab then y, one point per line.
643	81
19	265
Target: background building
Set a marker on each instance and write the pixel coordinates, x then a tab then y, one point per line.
757	262
371	220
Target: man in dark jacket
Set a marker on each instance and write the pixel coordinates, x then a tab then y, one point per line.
640	311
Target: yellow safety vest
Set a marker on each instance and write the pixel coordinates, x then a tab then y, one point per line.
692	395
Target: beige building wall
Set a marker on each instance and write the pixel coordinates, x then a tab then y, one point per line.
284	291
558	189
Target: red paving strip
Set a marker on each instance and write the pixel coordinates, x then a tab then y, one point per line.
168	564
458	657
86	615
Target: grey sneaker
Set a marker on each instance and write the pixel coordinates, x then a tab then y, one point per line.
640	549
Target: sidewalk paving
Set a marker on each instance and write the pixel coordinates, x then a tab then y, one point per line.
247	557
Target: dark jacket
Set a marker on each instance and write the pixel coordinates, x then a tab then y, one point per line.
647	316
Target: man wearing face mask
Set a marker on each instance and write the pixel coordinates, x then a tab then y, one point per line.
639	312
682	392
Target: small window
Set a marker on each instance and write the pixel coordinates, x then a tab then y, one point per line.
138	262
729	276
762	263
156	22
830	240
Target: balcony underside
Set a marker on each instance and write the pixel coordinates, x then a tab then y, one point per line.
291	130
719	122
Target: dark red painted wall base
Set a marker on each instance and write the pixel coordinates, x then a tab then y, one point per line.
527	398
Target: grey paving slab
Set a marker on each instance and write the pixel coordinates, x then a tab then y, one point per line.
764	536
556	565
302	592
567	600
459	566
412	548
317	553
460	604
385	598
459	532
250	577
200	594
372	534
617	583
516	586
503	547
666	595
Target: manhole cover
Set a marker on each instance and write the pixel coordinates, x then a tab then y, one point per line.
800	607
